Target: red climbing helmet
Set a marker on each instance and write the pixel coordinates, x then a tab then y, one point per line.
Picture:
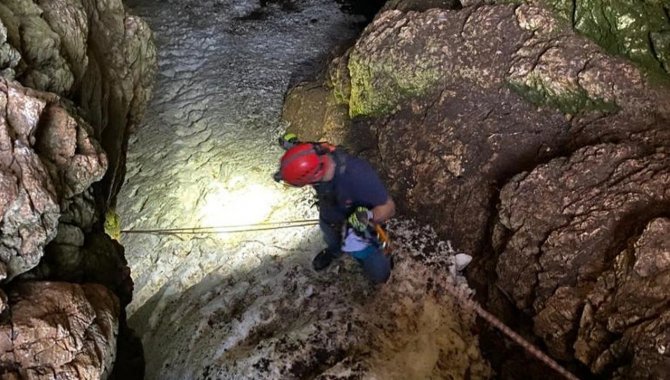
304	164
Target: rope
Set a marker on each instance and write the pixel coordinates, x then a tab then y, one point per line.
468	303
462	298
225	229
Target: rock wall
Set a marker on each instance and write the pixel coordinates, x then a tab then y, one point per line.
586	253
76	77
48	157
533	148
59	331
91	52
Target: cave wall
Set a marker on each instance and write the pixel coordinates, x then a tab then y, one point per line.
76	78
539	151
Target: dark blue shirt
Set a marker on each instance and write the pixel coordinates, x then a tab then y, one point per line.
357	185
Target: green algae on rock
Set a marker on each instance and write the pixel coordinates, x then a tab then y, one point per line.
113	224
571	101
637	29
378	86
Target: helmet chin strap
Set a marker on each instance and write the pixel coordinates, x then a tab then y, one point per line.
330	168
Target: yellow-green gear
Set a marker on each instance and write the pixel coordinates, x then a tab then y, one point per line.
290	137
360	218
288	140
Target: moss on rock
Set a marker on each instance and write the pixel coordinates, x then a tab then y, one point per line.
339	81
637	29
113	224
377	87
535	90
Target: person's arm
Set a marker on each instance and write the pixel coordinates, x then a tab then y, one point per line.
383	212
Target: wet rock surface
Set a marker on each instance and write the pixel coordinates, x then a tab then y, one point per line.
206	154
58	330
249	305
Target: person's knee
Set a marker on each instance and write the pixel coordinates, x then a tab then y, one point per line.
380	277
377	268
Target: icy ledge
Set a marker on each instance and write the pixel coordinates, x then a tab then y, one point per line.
282	320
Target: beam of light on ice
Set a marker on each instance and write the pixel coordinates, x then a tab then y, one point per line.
243	204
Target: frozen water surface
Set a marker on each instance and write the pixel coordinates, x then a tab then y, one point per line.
206	150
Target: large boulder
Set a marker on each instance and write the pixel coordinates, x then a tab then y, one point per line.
58	331
462	101
47	156
479	108
573	255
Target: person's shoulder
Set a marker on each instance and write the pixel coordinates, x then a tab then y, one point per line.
351	159
358	166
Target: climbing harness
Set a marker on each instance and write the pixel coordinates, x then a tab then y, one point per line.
225	229
383	238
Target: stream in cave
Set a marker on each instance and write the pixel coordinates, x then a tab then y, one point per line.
205	155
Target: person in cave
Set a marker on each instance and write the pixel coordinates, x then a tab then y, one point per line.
350	195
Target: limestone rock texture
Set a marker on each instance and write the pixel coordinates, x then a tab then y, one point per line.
47	156
92	52
533	148
76	78
588	253
56	330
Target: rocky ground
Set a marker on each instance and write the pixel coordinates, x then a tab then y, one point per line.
534	134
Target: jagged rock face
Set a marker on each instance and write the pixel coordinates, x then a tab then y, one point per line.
637	29
90	51
569	221
102	60
47	156
478	122
464	100
631	318
58	330
281	320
